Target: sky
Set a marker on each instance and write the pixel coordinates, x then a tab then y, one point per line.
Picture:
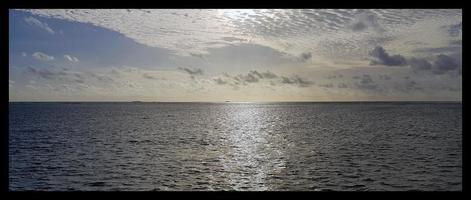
235	55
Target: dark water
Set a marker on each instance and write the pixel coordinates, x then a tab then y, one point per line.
203	146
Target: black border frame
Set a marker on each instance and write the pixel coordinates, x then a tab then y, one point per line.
198	4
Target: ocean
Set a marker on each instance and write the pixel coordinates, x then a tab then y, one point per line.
380	146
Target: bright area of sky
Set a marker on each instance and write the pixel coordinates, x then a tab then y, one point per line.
236	55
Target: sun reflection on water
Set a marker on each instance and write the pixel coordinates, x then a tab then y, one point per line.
254	150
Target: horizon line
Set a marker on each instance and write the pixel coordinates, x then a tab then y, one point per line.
352	101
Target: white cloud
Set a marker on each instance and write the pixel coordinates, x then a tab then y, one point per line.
324	32
71	58
42	56
24	54
35	22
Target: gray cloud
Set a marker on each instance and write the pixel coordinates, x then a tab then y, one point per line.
250	78
384	77
439	49
255	76
305	56
334	76
42	56
419	64
148	76
444	63
220	81
198	55
327	85
35	22
367	83
359	26
408	87
455	29
101	78
287	80
342	85
71	58
269	75
412	85
233	39
296	80
47	73
380	57
263	75
59	74
192	72
321	27
364	21
256	73
456	42
104	79
451	89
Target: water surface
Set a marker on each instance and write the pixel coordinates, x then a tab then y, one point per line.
235	146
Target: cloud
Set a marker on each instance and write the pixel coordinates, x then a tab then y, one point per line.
256	73
198	55
384	77
359	26
148	76
327	85
455	29
323	30
251	77
45	73
408	87
418	64
441	64
380	57
71	58
444	63
451	89
232	39
364	21
269	75
342	85
56	74
334	76
192	72
35	22
42	56
305	56
448	49
24	54
254	77
456	42
296	80
104	78
220	81
367	83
